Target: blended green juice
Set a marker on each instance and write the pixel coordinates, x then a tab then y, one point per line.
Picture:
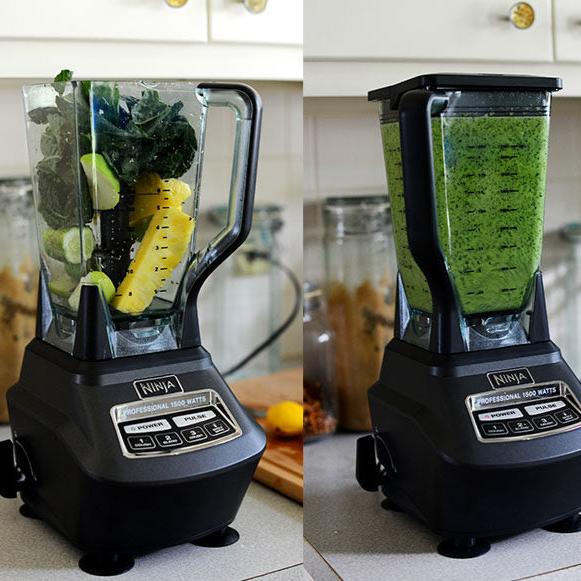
490	184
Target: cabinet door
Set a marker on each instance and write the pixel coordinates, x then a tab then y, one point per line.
567	15
425	29
146	20
281	22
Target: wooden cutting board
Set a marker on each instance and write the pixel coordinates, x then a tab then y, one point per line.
281	466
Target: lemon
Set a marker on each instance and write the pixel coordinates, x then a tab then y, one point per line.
96	278
287	417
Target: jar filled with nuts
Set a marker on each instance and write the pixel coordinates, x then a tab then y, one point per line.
18	280
319	390
360	293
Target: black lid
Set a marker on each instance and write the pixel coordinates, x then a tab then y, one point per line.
476	82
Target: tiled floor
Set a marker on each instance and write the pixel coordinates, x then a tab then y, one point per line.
350	537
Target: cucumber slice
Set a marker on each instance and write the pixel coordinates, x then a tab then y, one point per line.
62	286
97	278
103	183
64	244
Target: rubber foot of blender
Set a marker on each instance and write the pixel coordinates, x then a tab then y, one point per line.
463	548
28	512
571	524
388	504
106	564
222	538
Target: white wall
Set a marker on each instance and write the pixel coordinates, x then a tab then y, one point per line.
279	175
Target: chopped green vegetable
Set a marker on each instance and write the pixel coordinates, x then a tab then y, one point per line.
64	76
62	286
97	278
103	184
65	244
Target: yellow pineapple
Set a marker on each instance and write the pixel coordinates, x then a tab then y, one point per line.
164	244
153	194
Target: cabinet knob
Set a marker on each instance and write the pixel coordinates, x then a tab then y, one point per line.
255	6
176	3
522	15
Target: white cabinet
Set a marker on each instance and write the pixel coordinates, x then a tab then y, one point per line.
141	20
425	30
280	23
567	30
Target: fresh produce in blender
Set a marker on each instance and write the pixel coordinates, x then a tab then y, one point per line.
153	194
103	154
62	286
97	278
65	244
103	184
165	242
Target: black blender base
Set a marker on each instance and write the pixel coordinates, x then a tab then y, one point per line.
28	512
222	538
571	524
463	548
106	564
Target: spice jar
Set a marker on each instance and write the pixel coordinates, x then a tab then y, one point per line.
360	290
18	280
319	389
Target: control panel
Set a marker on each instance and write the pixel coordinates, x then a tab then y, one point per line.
522	413
173	424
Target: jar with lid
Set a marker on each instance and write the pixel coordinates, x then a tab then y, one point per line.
360	290
18	280
319	388
244	297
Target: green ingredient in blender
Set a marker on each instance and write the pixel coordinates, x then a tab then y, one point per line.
96	278
103	184
65	244
490	183
62	286
75	271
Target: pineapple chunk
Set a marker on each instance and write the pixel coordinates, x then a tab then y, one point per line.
164	244
153	194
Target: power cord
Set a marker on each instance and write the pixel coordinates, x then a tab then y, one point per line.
254	255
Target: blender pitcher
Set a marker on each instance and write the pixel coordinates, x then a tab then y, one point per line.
117	168
469	246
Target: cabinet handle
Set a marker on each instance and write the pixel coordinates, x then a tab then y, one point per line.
522	15
176	3
255	6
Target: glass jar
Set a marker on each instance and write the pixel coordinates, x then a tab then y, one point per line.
319	388
360	290
245	297
18	280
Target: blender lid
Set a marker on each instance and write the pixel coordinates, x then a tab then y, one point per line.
473	82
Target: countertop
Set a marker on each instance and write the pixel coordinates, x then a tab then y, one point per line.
270	547
348	536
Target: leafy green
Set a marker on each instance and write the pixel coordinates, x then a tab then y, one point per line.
134	135
64	76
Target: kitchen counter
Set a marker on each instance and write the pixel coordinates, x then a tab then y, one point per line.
348	535
270	547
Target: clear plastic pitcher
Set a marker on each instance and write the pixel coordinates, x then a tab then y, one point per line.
483	140
117	176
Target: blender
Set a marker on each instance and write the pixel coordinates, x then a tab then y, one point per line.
125	438
475	414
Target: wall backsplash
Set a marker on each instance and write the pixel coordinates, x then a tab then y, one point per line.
344	156
279	175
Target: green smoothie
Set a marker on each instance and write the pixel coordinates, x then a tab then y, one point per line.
490	185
